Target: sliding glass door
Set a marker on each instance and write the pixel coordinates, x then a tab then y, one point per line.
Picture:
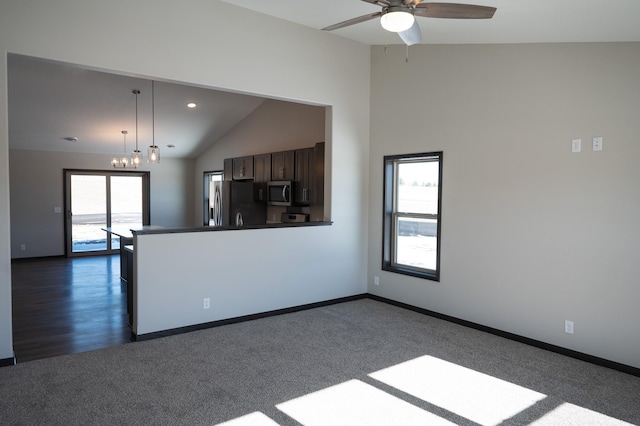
88	213
98	200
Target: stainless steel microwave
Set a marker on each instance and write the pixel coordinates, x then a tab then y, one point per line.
280	193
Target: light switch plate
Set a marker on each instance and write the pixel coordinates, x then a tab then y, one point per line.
568	327
576	145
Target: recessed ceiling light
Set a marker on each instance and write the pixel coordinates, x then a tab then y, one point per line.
70	138
191	105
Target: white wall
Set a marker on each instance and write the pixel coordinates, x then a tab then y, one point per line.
37	186
6	332
532	234
242	272
216	45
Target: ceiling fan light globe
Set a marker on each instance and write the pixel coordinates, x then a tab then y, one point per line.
397	21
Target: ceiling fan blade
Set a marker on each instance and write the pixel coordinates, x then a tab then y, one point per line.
412	35
379	2
353	21
454	11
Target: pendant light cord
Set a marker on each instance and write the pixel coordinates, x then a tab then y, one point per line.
153	114
137	92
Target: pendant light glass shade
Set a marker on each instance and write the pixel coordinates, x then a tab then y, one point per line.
397	20
136	158
123	161
153	154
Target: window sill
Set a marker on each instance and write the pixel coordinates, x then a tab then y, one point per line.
432	276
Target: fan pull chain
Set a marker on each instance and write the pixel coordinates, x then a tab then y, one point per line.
385	42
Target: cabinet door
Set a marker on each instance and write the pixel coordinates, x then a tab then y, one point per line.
243	168
262	168
282	165
228	169
262	175
318	174
304	176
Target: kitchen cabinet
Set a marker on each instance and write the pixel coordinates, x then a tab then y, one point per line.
304	175
282	165
262	175
128	249
243	168
304	166
228	169
262	168
317	196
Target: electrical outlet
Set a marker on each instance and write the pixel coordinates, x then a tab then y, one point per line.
23	247
376	280
568	327
597	143
206	303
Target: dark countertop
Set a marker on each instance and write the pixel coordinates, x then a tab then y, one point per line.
149	230
126	231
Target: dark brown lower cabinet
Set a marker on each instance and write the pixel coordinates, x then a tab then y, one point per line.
130	280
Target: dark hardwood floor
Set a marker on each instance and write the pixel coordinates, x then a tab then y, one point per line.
67	305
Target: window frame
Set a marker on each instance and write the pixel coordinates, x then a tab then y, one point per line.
391	215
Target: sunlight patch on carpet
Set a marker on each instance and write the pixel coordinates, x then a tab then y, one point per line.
254	419
569	414
355	403
476	396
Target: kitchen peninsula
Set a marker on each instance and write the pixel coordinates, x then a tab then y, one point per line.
173	270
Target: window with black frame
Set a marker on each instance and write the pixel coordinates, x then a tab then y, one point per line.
412	199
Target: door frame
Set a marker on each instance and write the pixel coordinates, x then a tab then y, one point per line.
146	210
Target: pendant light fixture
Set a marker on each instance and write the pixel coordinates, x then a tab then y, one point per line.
123	161
136	155
153	155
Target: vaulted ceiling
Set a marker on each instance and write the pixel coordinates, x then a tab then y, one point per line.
49	101
515	21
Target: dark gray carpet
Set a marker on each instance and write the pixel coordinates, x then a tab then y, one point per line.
219	374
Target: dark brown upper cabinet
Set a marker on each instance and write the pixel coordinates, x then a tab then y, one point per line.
243	168
282	165
262	175
304	176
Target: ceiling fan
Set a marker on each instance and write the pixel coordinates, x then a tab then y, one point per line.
398	16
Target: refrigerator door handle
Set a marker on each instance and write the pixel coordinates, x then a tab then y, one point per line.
217	206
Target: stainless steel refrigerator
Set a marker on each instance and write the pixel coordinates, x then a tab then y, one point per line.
232	203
